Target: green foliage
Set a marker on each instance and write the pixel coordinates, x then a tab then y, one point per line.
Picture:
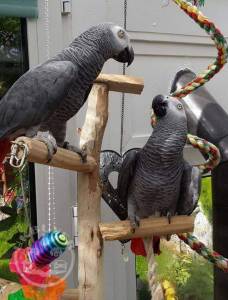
8	229
141	267
144	293
11	62
190	275
206	198
200	282
9	210
9	24
13	234
5	271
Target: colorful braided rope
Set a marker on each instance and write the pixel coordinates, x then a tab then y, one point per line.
210	255
220	43
207	148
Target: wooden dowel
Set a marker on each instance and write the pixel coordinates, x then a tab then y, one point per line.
70	294
122	83
151	226
63	158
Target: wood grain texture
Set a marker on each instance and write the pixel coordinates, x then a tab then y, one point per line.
89	197
122	83
151	226
63	158
70	294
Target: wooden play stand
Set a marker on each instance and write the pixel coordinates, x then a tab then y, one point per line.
91	232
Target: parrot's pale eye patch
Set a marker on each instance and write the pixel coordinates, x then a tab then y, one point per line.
121	34
179	106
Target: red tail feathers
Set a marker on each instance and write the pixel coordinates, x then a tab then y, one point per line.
137	246
4	149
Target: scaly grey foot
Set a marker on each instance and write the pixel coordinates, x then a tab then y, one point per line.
47	138
81	152
134	222
169	217
168	237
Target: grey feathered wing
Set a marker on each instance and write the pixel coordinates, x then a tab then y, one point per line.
190	190
35	96
126	174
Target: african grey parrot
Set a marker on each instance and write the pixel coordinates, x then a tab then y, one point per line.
42	100
156	180
162	182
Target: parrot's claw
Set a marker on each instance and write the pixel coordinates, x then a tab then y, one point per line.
169	217
47	138
81	152
134	222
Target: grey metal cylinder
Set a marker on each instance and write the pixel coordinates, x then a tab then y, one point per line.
207	119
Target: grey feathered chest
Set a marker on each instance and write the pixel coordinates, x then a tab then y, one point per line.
159	168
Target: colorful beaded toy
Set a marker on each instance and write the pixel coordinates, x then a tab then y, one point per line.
32	264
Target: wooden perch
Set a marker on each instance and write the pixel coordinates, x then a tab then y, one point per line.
122	83
63	158
151	226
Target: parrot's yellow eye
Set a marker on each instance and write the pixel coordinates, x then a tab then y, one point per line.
179	106
121	34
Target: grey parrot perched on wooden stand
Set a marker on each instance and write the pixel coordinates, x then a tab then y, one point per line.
42	100
156	180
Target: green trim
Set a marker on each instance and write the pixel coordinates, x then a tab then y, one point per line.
19	8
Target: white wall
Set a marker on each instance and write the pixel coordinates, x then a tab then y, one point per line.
164	40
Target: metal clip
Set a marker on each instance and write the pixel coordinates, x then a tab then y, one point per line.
16	161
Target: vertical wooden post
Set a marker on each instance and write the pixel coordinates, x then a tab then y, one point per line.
89	197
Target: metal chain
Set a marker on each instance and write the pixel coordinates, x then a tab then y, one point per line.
27	215
51	172
123	94
51	199
124	255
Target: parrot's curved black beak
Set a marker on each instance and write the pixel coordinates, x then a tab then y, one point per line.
159	106
126	56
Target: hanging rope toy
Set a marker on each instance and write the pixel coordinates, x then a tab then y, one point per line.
207	148
32	264
210	255
220	43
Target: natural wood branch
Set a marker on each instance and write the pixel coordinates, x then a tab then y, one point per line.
70	294
63	158
151	226
89	197
122	83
